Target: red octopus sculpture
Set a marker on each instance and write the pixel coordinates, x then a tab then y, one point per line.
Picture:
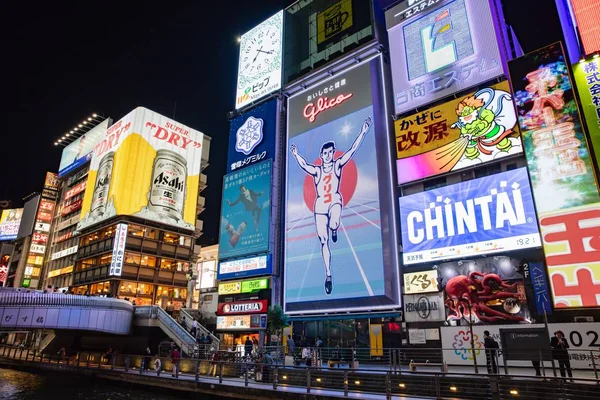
468	294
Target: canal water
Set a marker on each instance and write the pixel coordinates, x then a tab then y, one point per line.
21	385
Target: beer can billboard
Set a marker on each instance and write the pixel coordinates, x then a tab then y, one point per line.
146	166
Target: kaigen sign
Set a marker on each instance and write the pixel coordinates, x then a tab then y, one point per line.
562	175
252	136
261	60
245	211
243	307
473	129
146	166
442	49
334	250
485	215
252	266
80	150
421	282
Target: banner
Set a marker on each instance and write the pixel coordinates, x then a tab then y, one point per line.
562	175
245	211
80	150
587	80
246	267
146	166
471	130
9	223
421	282
252	136
337	156
424	307
485	215
440	50
118	253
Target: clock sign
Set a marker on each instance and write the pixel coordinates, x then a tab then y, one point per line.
259	71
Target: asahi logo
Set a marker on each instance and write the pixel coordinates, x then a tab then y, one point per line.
164	180
423	307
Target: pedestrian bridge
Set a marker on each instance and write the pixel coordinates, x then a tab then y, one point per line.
38	310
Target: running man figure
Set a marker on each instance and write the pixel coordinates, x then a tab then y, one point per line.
328	203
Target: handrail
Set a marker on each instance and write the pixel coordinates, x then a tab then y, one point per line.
24	299
201	327
187	341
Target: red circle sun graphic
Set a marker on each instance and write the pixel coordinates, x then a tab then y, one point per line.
348	182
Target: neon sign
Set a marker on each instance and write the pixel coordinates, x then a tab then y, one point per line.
323	103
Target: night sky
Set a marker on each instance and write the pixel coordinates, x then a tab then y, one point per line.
60	63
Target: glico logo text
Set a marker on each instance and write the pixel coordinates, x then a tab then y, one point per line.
447	218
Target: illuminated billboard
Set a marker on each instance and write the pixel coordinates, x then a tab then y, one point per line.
587	14
486	215
246	211
440	50
9	223
464	132
339	197
562	175
252	136
587	80
146	166
80	150
248	286
252	266
261	59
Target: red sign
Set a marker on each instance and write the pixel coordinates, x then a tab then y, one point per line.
243	307
76	205
39	238
311	110
80	187
587	14
64	237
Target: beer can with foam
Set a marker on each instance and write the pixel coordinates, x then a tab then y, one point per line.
102	185
168	186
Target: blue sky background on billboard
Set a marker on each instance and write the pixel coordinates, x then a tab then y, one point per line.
80	150
356	258
245	212
486	215
258	140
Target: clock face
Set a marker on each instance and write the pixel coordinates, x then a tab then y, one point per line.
260	51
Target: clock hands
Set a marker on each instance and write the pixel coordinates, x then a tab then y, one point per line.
257	54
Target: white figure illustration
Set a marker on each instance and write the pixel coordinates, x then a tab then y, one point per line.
328	203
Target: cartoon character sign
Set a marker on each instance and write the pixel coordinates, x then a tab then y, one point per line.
328	202
480	128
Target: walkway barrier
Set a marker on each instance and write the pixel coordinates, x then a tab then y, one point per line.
374	382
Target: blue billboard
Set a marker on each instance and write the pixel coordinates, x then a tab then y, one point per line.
80	150
245	267
252	136
485	215
246	211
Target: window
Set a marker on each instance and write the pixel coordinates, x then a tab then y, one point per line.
85	264
171	238
136	289
512	166
100	288
135	230
132	258
105	259
171	292
80	289
480	172
434	183
208	297
127	287
174	265
148	261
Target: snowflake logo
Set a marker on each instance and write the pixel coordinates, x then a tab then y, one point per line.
249	135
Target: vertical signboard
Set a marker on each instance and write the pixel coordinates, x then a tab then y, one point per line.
118	254
245	211
587	14
473	129
147	166
562	175
441	49
252	136
337	197
260	64
587	80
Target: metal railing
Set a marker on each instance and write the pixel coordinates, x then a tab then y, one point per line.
201	328
338	381
35	298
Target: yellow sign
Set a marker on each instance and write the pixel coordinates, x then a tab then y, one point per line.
230	287
61	271
146	166
334	20
421	282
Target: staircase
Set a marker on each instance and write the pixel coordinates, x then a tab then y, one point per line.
157	317
184	312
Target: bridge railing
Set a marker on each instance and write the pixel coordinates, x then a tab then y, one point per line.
35	298
226	368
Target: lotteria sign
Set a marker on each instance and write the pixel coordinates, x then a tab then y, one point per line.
486	215
243	307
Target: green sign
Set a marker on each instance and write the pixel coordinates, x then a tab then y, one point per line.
26	282
254	285
587	80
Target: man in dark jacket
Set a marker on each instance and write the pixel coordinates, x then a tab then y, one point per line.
559	346
249	198
248	347
491	351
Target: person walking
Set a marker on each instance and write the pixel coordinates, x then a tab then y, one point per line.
291	346
307	356
194	330
214	364
491	351
147	359
175	359
248	347
559	346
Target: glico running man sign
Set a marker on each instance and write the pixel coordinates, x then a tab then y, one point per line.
480	216
339	197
